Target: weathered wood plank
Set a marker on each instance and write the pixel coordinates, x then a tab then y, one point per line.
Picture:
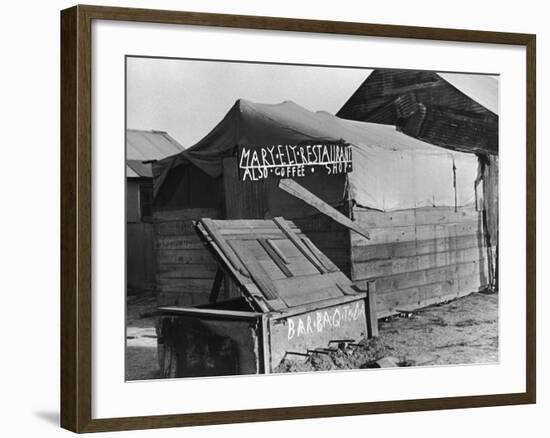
175	228
372	318
417	297
305	289
279	260
227	251
179	298
216	286
297	241
362	253
418	278
186	214
196	270
187	285
183	256
179	242
378	268
252	234
239	224
257	272
292	187
273	244
420	232
421	216
211	313
167	267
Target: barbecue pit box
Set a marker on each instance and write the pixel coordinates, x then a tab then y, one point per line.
293	302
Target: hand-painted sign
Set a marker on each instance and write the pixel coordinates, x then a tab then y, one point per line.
291	161
322	320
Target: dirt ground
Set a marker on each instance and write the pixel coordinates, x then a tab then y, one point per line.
141	338
462	331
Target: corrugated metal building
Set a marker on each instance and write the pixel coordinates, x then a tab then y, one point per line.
142	148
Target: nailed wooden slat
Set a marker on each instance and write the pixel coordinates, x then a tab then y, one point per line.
183	256
211	313
212	230
420	232
282	224
238	224
186	214
216	286
327	263
310	288
176	228
275	247
179	298
251	294
307	283
295	189
361	253
420	216
418	278
417	297
277	259
258	274
313	296
187	285
372	318
380	268
196	270
179	242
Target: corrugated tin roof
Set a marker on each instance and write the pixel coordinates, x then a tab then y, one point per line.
481	88
139	168
145	146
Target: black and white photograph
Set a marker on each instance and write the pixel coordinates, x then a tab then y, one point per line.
287	218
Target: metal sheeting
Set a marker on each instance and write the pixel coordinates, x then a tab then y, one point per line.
145	146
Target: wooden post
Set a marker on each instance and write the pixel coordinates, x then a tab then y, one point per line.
372	320
216	286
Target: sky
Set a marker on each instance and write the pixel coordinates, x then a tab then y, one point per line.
187	98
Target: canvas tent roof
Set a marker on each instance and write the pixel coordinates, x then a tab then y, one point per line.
391	170
145	146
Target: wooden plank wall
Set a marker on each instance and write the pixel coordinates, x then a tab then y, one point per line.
185	269
419	257
140	257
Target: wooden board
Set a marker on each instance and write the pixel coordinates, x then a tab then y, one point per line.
178	242
297	190
424	216
406	280
285	269
380	268
416	232
426	295
415	247
184	256
187	214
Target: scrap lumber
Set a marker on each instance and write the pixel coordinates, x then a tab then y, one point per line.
292	187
